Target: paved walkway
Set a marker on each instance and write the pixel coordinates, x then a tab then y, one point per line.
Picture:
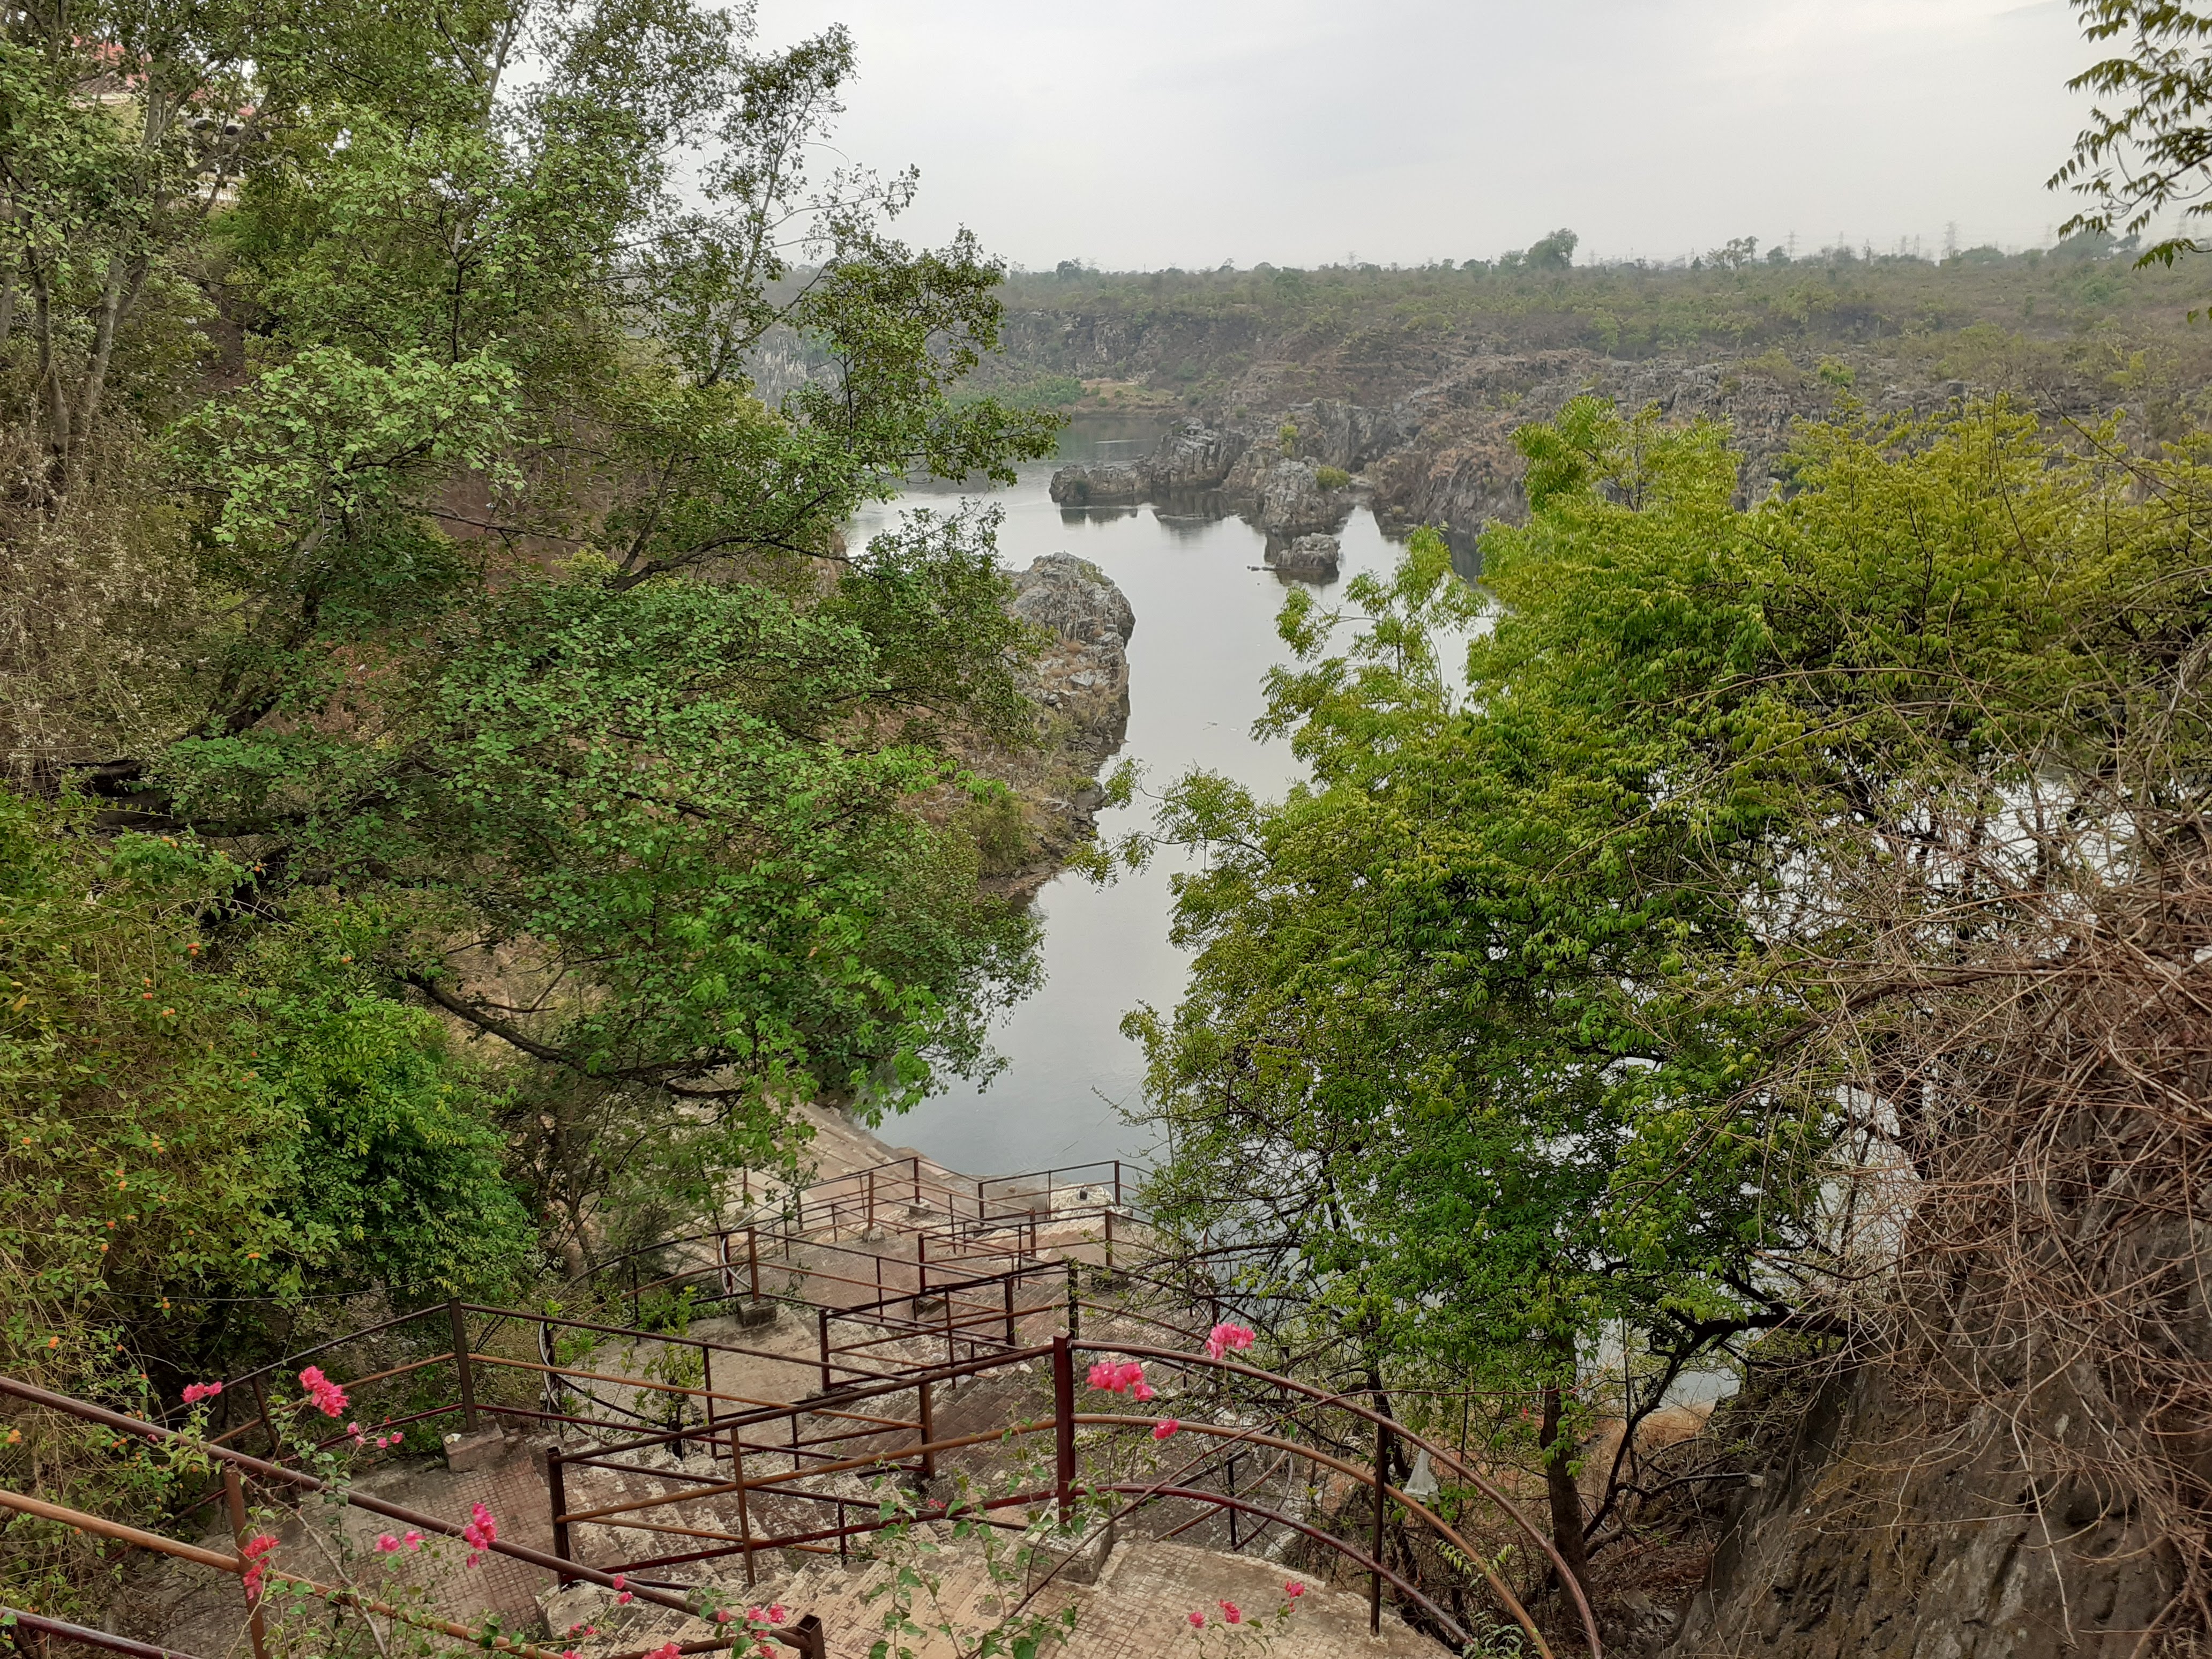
1140	1605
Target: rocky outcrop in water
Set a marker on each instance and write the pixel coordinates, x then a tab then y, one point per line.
1082	678
1308	559
1285	498
1104	485
1191	457
1194	456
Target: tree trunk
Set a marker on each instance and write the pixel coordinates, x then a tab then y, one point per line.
1559	1479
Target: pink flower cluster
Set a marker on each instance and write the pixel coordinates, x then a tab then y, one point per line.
387	1545
326	1396
253	1551
1233	1614
196	1392
481	1533
1126	1378
1222	1338
1165	1427
622	1588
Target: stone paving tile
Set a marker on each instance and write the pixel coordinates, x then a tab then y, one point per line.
1139	1606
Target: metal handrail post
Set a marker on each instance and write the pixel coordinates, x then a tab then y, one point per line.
234	1498
928	1432
556	1500
1063	1426
1375	1578
461	1364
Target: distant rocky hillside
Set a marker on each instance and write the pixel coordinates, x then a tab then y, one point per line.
1414	381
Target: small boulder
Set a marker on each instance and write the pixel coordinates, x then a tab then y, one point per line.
1098	486
1290	501
1308	559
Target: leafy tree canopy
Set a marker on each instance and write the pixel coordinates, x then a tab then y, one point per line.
1488	1036
434	428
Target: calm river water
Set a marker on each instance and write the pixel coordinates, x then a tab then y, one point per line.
1205	608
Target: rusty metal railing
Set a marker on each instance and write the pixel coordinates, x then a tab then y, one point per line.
852	1440
805	1636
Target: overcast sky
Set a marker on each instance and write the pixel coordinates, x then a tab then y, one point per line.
1155	132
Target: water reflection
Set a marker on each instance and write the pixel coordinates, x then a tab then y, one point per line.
1205	607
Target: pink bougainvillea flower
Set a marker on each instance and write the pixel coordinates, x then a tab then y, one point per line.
619	1582
196	1392
1229	1611
672	1651
777	1613
481	1533
1197	1621
326	1396
721	1615
386	1544
1126	1378
253	1551
1165	1427
1224	1337
413	1540
622	1599
1294	1590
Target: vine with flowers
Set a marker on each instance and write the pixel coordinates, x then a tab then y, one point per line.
1225	1630
920	1542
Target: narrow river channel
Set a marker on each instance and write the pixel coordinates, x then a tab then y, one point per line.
1205	636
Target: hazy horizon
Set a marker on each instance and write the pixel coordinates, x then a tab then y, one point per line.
1406	131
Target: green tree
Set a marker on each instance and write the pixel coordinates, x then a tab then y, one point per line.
2144	155
494	475
1486	1051
1554	252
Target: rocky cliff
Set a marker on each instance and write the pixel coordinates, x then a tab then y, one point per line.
1080	683
1426	422
1081	679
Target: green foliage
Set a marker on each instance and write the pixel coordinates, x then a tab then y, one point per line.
1487	1029
1818	303
916	1551
1554	252
435	511
1003	842
1332	477
1039	390
2144	158
181	1126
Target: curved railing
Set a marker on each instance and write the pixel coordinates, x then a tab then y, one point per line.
804	1635
817	1436
987	1325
